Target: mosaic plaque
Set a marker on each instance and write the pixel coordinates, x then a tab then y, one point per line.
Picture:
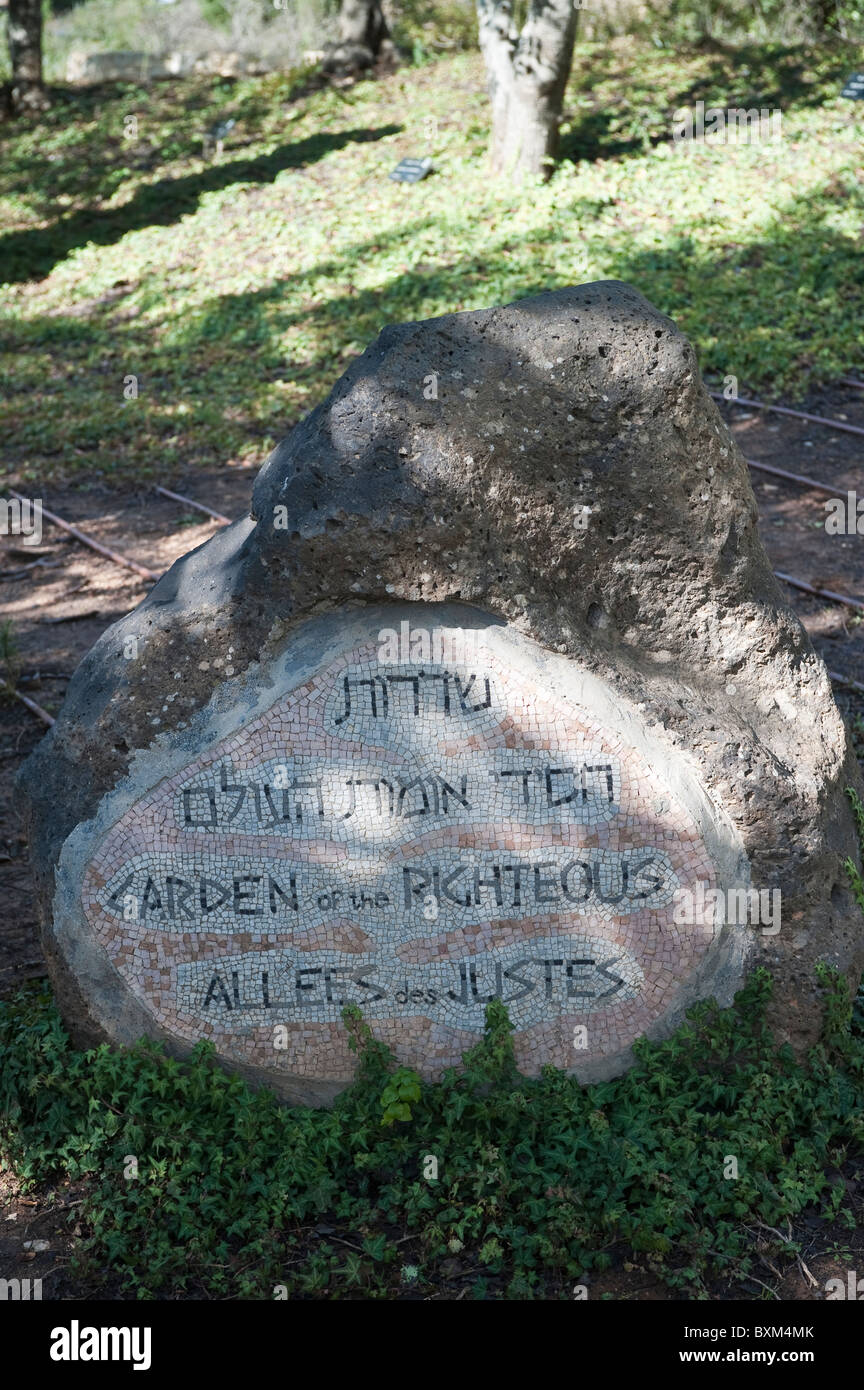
256	808
415	819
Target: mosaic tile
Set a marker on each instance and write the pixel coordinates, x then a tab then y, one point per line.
415	839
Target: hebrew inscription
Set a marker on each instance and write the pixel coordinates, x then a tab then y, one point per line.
415	838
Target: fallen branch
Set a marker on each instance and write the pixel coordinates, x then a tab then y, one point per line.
94	545
199	506
31	704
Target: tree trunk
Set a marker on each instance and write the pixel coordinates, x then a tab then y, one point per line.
527	76
826	20
362	22
25	55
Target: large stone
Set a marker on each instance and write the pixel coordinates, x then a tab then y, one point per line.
123	66
85	68
268	794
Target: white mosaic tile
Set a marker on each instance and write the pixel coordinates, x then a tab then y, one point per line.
414	838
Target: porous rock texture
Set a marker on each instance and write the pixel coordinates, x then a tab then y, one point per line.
453	461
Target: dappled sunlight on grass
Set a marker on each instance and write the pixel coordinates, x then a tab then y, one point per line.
237	292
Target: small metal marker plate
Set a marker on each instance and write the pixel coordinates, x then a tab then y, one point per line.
411	170
854	88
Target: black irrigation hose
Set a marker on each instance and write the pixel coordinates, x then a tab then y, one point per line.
225	521
785	410
794	477
836	677
820	593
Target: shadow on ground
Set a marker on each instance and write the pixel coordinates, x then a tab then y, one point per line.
32	254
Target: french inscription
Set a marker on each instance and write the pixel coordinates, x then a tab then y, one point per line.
416	839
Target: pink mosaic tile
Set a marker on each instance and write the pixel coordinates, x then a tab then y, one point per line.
414	840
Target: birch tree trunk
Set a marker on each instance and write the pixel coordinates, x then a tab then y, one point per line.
25	55
527	75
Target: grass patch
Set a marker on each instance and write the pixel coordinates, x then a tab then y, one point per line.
236	292
537	1185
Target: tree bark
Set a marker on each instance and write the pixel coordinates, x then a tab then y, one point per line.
527	75
825	17
25	55
362	22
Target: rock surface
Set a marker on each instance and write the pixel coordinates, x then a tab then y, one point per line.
555	464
